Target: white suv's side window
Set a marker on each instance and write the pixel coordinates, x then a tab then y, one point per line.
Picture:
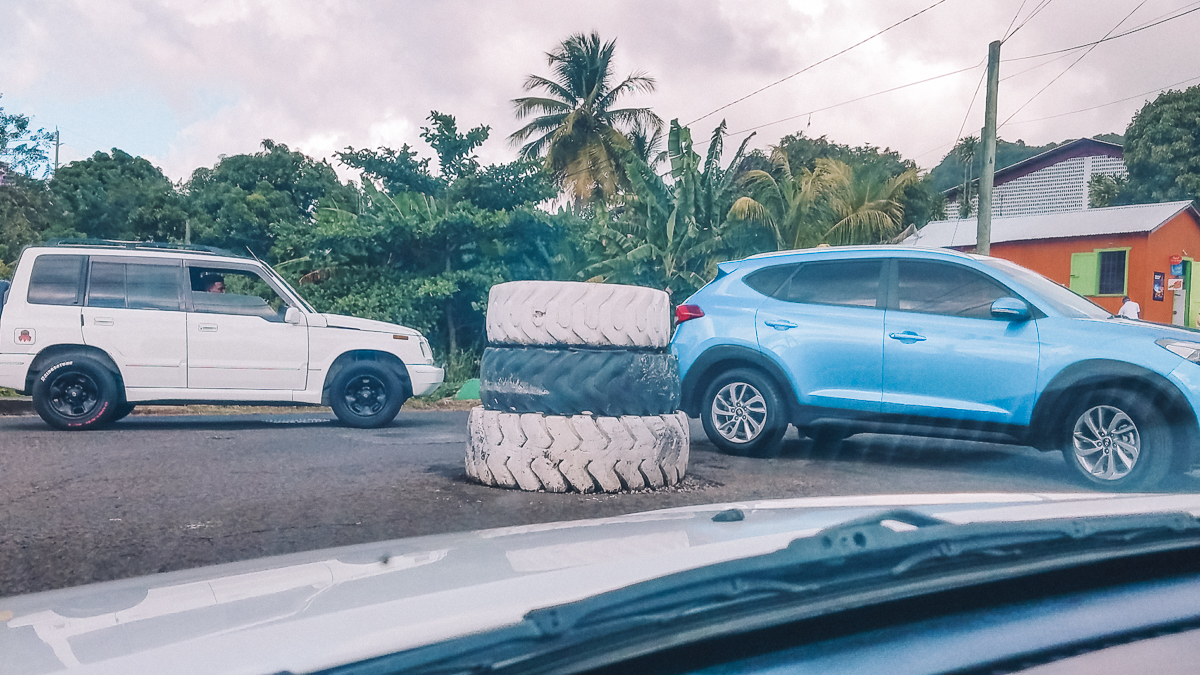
218	290
237	336
134	286
133	311
57	280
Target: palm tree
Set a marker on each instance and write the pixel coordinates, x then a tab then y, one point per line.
788	202
671	236
647	143
965	150
867	210
825	204
577	128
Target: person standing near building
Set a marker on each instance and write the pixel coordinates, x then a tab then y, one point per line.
1129	309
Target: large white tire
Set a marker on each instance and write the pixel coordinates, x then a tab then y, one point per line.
580	453
576	313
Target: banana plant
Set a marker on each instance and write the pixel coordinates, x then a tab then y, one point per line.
671	236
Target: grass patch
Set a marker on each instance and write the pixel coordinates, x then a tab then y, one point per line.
460	365
5	392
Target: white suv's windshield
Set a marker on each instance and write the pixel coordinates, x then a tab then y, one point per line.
1059	297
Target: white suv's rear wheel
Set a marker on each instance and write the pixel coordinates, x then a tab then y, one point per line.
367	395
75	392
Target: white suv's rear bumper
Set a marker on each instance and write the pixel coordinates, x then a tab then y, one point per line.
13	368
425	378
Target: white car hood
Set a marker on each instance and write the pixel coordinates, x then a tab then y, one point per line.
338	321
314	610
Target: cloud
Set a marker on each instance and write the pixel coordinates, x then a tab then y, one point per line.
206	79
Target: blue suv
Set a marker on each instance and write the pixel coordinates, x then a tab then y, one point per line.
937	343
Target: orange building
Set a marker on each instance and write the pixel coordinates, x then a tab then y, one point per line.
1099	253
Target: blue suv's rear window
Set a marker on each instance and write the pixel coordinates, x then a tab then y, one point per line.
768	279
849	283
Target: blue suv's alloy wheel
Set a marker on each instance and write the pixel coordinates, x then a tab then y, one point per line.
744	414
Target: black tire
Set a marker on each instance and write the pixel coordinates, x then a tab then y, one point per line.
1124	420
122	412
76	392
750	387
367	394
609	383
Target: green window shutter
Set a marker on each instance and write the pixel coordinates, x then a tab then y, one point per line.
1085	272
1193	291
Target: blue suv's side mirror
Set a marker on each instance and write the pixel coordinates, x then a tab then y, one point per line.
1010	309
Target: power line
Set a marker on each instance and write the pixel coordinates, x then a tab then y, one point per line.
1106	39
1032	14
1073	63
853	100
1014	19
1104	105
1031	68
814	65
970	105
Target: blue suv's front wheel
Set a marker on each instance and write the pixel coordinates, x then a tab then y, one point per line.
744	414
1119	441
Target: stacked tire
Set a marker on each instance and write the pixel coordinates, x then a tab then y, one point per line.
578	389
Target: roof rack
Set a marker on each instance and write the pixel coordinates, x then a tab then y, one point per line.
143	245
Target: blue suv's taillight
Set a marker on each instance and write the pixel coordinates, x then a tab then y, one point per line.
687	312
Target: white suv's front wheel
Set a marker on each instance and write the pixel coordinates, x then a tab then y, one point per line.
367	395
75	392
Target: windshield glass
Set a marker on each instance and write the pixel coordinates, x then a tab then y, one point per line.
1056	295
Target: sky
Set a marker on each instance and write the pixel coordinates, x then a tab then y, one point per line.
183	83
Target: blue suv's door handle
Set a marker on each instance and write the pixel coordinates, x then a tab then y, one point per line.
780	324
907	337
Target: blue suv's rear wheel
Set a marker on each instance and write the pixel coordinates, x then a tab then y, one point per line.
1118	440
743	413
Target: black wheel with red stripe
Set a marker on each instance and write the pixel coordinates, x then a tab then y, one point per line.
76	393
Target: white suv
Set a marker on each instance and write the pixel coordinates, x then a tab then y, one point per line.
90	329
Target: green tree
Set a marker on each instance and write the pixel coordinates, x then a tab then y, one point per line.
789	202
25	217
921	200
251	201
576	125
1162	149
672	236
965	150
425	250
829	203
1104	189
21	148
117	196
867	210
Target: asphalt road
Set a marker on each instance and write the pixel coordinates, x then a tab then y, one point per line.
160	493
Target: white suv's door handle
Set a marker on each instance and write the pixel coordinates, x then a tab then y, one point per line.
207	327
780	324
103	321
907	337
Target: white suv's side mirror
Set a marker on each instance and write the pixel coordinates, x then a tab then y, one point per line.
292	316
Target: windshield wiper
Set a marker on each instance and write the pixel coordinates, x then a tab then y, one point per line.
880	558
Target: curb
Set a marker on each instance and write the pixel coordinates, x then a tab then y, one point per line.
18	405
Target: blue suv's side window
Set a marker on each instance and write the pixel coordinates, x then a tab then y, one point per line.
950	290
847	283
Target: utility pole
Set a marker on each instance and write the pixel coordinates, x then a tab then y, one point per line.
983	233
56	143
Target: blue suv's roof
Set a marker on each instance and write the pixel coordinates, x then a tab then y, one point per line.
888	250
